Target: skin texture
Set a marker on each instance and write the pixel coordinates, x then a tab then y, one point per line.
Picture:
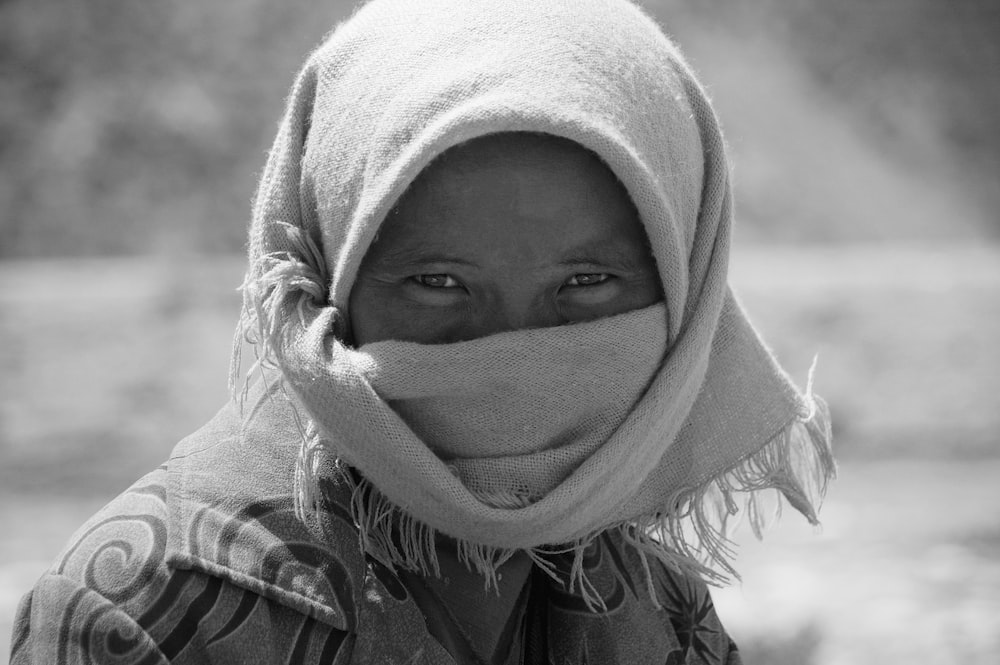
504	232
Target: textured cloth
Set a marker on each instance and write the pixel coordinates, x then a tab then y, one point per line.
203	562
516	413
390	90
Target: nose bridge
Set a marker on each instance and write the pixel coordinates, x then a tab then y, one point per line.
518	309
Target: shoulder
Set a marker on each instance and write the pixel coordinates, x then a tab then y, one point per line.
180	568
195	618
648	612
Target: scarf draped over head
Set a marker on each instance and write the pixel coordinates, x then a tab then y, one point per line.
714	424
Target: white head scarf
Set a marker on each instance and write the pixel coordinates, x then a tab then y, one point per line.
393	88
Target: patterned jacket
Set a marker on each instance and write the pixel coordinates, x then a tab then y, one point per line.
204	561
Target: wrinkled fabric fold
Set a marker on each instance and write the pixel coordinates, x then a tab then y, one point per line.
514	414
389	91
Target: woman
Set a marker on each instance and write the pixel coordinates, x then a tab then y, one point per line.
506	401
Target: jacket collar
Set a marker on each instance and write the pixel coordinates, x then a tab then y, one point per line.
232	514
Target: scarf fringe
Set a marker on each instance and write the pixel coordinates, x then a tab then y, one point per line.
276	286
691	536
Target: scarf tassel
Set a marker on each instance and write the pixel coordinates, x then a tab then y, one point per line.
277	290
692	536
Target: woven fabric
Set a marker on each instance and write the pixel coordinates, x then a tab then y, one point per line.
514	414
393	88
204	561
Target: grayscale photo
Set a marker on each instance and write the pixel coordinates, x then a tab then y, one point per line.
500	332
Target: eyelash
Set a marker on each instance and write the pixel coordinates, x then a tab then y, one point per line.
434	280
427	280
601	277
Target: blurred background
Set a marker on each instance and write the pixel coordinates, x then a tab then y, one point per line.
866	146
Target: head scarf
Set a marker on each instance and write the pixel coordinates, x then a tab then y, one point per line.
394	87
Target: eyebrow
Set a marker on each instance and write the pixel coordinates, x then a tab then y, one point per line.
606	253
600	251
421	253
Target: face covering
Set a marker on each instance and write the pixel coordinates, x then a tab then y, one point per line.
514	414
715	425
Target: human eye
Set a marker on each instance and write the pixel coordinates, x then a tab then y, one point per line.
437	281
588	279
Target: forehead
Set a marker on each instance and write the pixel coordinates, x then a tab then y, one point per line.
514	184
519	157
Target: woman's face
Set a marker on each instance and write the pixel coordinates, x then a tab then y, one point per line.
506	232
